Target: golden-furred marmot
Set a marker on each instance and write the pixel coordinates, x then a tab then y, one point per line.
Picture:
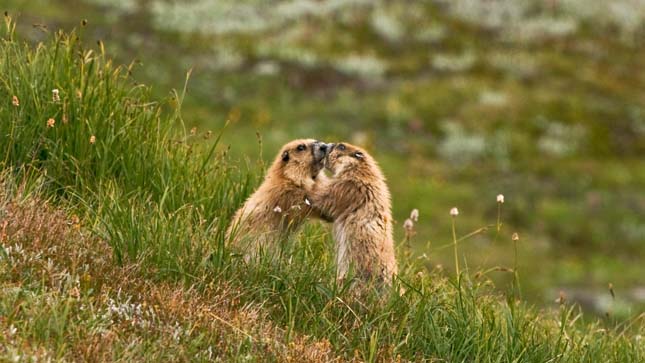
357	199
280	205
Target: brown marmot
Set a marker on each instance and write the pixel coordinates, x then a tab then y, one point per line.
357	199
280	205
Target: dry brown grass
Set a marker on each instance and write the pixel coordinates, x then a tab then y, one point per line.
51	253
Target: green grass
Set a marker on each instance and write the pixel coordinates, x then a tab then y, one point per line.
115	251
574	100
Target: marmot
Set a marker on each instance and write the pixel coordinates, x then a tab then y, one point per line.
357	199
280	205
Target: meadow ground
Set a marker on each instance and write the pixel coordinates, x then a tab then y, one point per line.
112	219
458	100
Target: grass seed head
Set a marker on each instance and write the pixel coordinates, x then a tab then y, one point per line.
55	95
408	225
515	237
414	215
92	139
51	122
561	298
15	101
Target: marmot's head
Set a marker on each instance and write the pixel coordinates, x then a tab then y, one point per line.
344	157
301	160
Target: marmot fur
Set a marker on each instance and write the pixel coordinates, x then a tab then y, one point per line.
357	199
280	205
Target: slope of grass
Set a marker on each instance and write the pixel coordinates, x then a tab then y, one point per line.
461	99
112	248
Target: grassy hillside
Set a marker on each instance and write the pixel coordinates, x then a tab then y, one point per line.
458	100
112	215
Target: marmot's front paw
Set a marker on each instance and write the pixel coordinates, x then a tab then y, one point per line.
318	212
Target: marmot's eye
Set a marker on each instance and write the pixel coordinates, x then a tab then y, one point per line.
301	147
341	147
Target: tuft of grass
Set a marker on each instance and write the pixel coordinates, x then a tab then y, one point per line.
63	297
115	250
103	143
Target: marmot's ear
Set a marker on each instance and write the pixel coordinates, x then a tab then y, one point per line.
285	156
359	155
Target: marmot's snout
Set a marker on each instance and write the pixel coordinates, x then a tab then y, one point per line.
323	147
320	150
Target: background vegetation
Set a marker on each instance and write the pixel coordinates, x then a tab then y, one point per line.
542	102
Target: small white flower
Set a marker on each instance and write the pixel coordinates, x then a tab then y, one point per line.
500	198
515	237
414	215
277	209
454	212
55	95
307	202
408	224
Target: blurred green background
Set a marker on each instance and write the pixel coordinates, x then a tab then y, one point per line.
540	100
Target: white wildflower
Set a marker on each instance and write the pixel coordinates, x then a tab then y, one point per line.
454	212
500	198
414	215
408	224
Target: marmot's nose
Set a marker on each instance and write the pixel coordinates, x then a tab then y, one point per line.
323	148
